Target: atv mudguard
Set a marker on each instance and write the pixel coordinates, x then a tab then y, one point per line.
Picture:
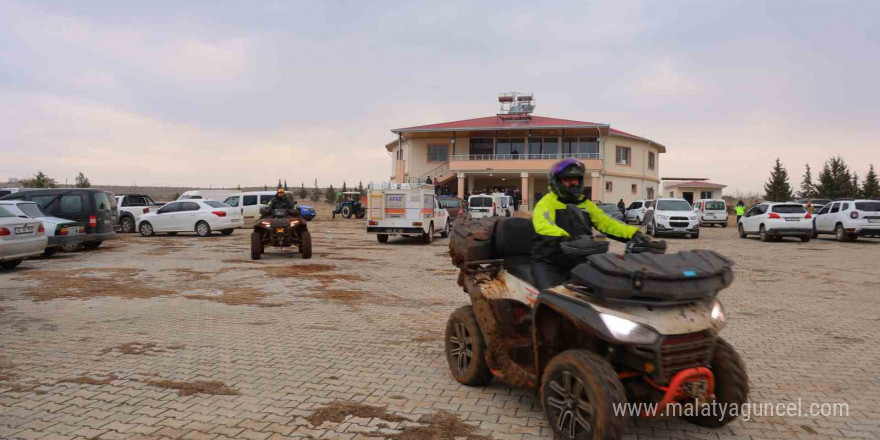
561	321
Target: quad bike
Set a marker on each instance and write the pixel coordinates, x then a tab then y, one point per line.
637	327
281	228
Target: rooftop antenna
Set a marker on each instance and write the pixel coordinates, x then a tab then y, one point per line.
516	105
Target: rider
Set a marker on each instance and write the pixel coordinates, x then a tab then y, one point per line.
554	223
280	201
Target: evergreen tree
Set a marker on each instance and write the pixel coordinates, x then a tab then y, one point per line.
40	180
871	188
361	187
344	187
777	189
808	190
82	181
835	181
279	184
285	184
316	194
265	187
330	194
302	191
238	187
856	189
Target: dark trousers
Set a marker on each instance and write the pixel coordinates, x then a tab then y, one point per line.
737	218
548	275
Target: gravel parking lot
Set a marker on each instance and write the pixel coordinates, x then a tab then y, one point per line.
185	337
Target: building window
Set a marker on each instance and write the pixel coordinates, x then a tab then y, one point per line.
650	193
485	146
623	156
635	188
706	194
502	146
535	146
609	186
510	146
550	146
671	194
583	146
651	158
438	153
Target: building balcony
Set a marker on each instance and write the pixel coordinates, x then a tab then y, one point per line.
457	157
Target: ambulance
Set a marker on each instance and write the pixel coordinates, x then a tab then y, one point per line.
405	209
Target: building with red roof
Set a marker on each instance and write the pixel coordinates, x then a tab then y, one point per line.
513	150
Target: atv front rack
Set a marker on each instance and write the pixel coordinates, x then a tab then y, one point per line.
634	300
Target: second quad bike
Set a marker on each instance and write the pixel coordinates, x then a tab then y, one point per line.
350	205
632	328
281	228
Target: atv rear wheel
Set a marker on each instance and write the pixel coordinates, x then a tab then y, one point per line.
579	390
466	348
346	211
256	245
305	247
731	386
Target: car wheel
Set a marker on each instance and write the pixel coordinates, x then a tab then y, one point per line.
466	348
383	238
9	264
805	238
305	247
92	245
445	232
48	252
71	247
227	231
762	234
346	211
724	225
742	231
256	245
841	234
146	229
360	214
203	229
815	234
853	237
695	236
428	237
579	393
126	225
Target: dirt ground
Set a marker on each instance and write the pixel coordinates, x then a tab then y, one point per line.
186	337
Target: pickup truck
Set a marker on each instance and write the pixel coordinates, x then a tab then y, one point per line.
131	207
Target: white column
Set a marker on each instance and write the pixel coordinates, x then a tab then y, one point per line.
524	206
461	186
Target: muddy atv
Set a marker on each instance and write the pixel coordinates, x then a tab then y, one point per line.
637	328
281	228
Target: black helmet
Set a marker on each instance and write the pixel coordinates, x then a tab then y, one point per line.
567	168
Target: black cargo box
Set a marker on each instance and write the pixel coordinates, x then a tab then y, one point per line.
671	278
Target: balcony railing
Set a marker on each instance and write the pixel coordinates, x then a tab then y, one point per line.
525	156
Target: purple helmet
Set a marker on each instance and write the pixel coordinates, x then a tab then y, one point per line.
568	167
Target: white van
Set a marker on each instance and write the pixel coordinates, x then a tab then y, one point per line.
407	210
482	205
207	194
249	204
711	212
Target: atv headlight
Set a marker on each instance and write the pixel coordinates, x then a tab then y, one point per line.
718	317
628	331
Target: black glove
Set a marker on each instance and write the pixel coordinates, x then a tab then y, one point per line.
642	243
583	246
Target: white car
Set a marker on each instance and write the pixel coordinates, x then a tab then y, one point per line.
711	212
130	207
61	233
635	213
772	221
199	216
20	238
672	217
848	219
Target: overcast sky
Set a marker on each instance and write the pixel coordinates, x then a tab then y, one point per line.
225	93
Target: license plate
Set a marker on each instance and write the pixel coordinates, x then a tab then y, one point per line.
24	230
874	220
792	219
679	229
395	231
697	388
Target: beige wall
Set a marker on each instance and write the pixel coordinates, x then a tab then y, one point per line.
416	153
622	188
640	151
678	192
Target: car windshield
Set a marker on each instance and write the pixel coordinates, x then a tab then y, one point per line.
789	209
5	213
868	206
607	207
715	206
481	202
449	203
673	205
214	204
31	210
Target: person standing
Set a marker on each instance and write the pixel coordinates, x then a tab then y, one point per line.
622	207
740	210
810	208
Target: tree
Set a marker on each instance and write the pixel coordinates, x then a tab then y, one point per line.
871	188
265	187
316	194
361	187
836	181
777	189
285	184
40	180
238	187
302	191
808	190
279	184
82	181
344	187
856	186
330	194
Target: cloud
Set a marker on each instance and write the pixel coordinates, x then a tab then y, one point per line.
664	78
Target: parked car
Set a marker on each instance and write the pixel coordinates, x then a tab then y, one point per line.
94	208
452	205
670	216
711	212
130	207
635	213
20	238
61	233
6	191
612	210
481	205
207	194
848	219
772	221
199	216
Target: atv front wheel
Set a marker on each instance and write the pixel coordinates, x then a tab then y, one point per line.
256	245
731	386
466	348
578	392
305	247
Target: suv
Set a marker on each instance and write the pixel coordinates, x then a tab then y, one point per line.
848	219
711	212
672	217
130	209
636	211
772	221
452	205
94	208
